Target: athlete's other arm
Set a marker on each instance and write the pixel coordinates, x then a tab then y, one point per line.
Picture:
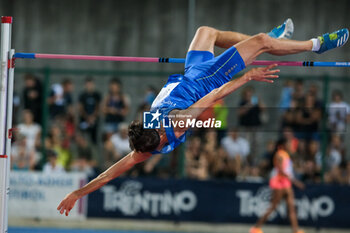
263	74
111	173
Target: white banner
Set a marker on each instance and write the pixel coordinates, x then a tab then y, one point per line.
37	195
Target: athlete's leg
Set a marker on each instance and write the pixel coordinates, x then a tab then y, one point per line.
262	43
207	37
291	210
276	198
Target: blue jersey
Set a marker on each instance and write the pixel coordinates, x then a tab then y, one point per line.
203	73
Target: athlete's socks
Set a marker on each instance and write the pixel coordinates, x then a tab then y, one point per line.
316	44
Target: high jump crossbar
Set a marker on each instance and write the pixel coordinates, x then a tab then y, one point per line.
168	60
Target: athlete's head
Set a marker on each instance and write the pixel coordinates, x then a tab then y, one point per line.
142	140
281	144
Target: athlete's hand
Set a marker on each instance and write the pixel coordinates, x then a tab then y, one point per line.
263	74
67	203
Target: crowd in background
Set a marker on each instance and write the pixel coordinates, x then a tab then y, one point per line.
90	133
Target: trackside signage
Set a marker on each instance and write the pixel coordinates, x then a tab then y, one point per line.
216	201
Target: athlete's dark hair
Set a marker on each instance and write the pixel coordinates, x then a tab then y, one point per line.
280	143
142	140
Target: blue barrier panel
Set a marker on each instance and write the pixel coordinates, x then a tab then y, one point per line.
216	201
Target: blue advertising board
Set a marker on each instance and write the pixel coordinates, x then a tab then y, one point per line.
216	201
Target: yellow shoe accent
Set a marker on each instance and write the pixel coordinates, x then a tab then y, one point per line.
333	36
321	39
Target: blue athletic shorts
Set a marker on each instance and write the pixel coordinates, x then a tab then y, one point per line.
203	68
203	73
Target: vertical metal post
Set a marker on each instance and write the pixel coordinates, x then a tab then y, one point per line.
191	14
45	111
11	80
6	23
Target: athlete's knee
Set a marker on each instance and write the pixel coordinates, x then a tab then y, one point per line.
207	31
264	40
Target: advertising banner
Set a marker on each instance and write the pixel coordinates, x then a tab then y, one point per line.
37	195
216	201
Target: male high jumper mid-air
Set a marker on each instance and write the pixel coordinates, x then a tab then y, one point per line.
206	79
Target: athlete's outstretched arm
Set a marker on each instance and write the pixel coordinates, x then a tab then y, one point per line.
111	173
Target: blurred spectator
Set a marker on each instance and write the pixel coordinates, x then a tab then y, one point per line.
347	174
221	114
69	116
266	163
286	95
140	110
312	151
237	148
84	160
120	140
158	165
339	112
210	143
150	95
60	99
110	154
308	119
52	166
32	96
250	116
222	166
16	108
115	106
235	145
211	153
56	101
254	174
196	163
250	109
30	130
299	92
22	158
289	117
333	155
58	142
310	173
292	142
69	124
89	109
68	89
313	90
